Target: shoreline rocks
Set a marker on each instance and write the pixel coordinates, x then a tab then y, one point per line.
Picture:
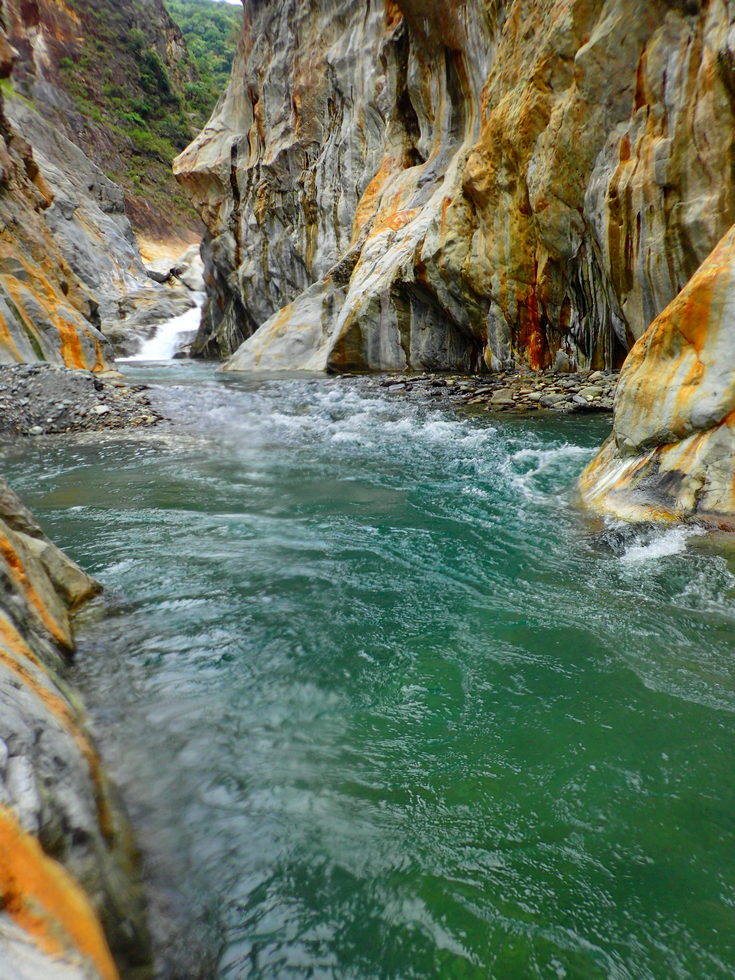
71	898
45	399
670	455
509	391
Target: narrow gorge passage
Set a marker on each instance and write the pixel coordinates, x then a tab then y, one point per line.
382	703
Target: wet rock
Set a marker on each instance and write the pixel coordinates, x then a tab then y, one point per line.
71	901
671	455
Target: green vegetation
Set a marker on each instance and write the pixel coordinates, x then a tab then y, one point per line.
140	109
211	30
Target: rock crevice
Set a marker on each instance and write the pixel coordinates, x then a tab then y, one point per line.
537	177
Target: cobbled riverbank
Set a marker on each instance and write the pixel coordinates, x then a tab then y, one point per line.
44	399
505	391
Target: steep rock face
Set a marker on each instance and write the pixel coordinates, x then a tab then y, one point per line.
71	906
406	184
108	77
70	268
46	311
671	453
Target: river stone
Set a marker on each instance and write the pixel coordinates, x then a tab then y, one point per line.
503	396
562	364
591	392
551	401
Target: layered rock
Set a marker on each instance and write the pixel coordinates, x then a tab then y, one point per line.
71	906
46	311
410	184
83	239
671	453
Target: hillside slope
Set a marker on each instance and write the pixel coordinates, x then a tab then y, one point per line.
110	77
211	31
73	271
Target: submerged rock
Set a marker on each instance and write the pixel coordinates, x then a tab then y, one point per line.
672	450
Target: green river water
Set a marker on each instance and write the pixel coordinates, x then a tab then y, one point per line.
384	704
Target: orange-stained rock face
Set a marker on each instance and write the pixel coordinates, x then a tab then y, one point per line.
70	899
48	905
537	175
673	445
46	312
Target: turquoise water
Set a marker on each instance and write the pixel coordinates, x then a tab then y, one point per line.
385	704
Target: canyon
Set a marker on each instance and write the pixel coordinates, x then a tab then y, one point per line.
496	205
469	188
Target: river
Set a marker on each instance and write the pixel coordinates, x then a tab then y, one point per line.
384	704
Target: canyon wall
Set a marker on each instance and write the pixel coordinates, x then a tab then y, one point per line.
71	905
473	185
46	311
670	456
71	272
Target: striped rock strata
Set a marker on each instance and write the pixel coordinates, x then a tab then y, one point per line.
46	311
71	907
403	183
671	453
71	273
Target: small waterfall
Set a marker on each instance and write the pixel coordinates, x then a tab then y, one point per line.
171	335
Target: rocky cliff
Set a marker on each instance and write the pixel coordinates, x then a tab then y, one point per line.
71	905
671	453
46	311
109	78
71	272
409	184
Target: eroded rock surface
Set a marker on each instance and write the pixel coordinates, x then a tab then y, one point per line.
73	285
46	311
410	184
71	905
671	453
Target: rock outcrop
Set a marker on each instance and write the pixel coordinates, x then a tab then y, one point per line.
74	276
409	184
671	453
46	311
71	905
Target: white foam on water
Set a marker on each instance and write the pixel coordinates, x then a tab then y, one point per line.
170	335
667	542
527	467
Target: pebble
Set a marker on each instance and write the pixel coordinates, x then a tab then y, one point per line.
47	399
505	391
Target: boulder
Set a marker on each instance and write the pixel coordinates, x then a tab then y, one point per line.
671	455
